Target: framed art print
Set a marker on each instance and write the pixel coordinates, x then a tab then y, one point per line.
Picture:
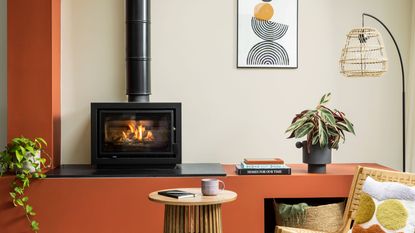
267	34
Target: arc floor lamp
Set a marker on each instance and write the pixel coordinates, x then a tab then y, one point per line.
364	56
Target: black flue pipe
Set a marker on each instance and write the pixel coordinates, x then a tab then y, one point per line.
138	54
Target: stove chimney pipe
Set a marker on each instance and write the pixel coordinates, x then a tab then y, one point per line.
138	50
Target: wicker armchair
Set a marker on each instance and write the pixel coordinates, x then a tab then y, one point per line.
354	195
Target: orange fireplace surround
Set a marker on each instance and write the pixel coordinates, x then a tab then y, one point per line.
108	205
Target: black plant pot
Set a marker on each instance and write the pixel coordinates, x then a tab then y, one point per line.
317	159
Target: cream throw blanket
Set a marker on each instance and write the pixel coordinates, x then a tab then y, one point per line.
388	190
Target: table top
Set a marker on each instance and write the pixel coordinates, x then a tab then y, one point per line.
222	197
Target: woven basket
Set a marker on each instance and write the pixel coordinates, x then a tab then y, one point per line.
327	218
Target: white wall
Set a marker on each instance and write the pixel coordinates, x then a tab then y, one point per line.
230	113
3	73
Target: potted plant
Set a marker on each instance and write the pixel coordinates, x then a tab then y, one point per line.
324	129
22	158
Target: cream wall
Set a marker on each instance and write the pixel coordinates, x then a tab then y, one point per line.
411	98
3	73
230	113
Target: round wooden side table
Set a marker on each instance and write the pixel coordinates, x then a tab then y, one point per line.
200	214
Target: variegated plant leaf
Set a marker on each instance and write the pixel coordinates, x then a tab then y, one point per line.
349	126
300	115
304	130
342	126
332	131
335	143
322	134
292	135
327	116
341	134
325	98
315	140
296	124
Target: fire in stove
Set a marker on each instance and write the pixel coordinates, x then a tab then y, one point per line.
136	133
131	132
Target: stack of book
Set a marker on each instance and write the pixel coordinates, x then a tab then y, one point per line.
273	166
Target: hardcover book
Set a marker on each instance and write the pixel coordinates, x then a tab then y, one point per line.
263	171
179	194
264	161
267	166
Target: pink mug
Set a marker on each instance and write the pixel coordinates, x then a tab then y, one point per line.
210	187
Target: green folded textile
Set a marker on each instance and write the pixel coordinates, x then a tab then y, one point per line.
295	212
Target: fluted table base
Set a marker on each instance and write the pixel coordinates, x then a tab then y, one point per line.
193	219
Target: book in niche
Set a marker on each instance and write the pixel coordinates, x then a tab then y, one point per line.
179	194
263	161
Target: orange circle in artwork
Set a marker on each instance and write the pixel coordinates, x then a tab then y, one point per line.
263	11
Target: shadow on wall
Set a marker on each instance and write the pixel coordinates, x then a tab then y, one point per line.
3	73
80	133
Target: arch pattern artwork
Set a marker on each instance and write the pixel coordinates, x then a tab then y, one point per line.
267	37
268	30
267	53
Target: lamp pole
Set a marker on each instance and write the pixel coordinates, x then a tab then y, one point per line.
403	83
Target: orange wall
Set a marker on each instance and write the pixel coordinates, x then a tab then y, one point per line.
34	71
110	205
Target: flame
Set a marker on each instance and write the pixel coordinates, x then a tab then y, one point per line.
141	130
137	132
149	136
124	136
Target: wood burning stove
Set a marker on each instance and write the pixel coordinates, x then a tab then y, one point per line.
133	138
138	132
135	134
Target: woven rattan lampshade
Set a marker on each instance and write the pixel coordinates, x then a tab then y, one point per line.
364	54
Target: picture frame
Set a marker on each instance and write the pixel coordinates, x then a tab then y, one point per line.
267	34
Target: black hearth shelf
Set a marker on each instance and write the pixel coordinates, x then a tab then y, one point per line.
181	170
